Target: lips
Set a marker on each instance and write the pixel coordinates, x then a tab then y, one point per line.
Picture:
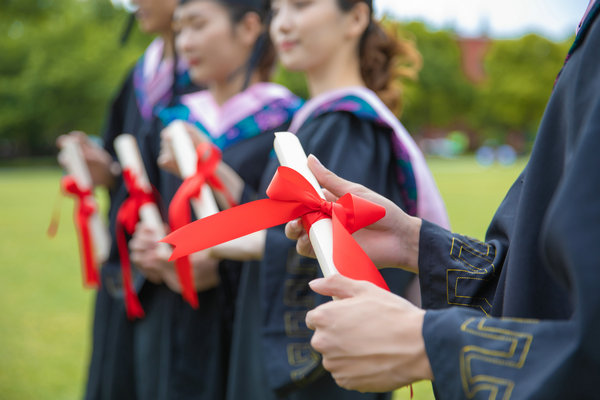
192	62
287	45
140	14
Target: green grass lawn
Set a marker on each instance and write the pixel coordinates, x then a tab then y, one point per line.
45	320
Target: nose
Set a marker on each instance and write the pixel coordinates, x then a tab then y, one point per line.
183	41
282	21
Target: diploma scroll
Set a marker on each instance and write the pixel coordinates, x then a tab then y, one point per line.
130	158
291	154
293	193
186	158
72	157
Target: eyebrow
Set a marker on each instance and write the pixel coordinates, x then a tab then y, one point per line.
190	16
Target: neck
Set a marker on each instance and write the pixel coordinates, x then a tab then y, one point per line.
169	49
226	89
342	70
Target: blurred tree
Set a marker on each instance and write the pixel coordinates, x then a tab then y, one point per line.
520	78
61	63
441	97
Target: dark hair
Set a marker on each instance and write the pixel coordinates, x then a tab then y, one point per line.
262	57
385	59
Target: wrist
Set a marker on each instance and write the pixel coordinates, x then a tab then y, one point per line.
409	236
422	365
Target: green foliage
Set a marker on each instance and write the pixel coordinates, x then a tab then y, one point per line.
520	74
61	64
441	96
294	81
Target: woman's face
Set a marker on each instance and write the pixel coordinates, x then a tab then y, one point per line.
154	16
208	40
306	33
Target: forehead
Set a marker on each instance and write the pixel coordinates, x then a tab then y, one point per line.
198	8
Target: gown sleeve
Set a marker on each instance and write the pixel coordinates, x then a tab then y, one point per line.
456	270
474	356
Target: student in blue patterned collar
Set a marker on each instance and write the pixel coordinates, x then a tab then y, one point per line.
226	46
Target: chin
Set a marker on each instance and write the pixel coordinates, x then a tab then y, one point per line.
291	63
146	26
197	76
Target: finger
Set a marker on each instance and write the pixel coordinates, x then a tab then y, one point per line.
338	286
329	196
330	181
310	320
304	246
294	229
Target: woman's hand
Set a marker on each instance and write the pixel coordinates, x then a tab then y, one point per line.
151	259
371	340
393	241
103	169
166	156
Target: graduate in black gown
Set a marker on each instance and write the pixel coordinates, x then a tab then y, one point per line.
227	48
152	83
347	125
514	317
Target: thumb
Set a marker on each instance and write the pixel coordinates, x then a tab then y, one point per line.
337	286
330	181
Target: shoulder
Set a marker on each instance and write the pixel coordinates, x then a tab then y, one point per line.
342	126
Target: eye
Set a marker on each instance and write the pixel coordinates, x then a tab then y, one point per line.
176	27
300	4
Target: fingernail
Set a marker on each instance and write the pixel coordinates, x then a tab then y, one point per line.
316	159
315	282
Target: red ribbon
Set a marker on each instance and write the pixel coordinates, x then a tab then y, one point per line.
127	218
290	196
179	209
84	209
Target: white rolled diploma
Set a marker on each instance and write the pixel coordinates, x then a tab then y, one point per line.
187	159
291	154
75	165
244	248
130	158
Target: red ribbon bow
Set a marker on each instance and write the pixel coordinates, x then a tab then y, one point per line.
127	217
290	196
84	209
179	209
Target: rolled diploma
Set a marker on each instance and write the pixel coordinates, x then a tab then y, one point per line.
186	158
291	154
77	168
130	158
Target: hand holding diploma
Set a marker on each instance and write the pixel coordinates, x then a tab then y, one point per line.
140	204
197	166
393	241
371	340
102	168
290	196
93	234
173	140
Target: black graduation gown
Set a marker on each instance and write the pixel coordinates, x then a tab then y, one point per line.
125	361
110	373
271	353
121	365
527	326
